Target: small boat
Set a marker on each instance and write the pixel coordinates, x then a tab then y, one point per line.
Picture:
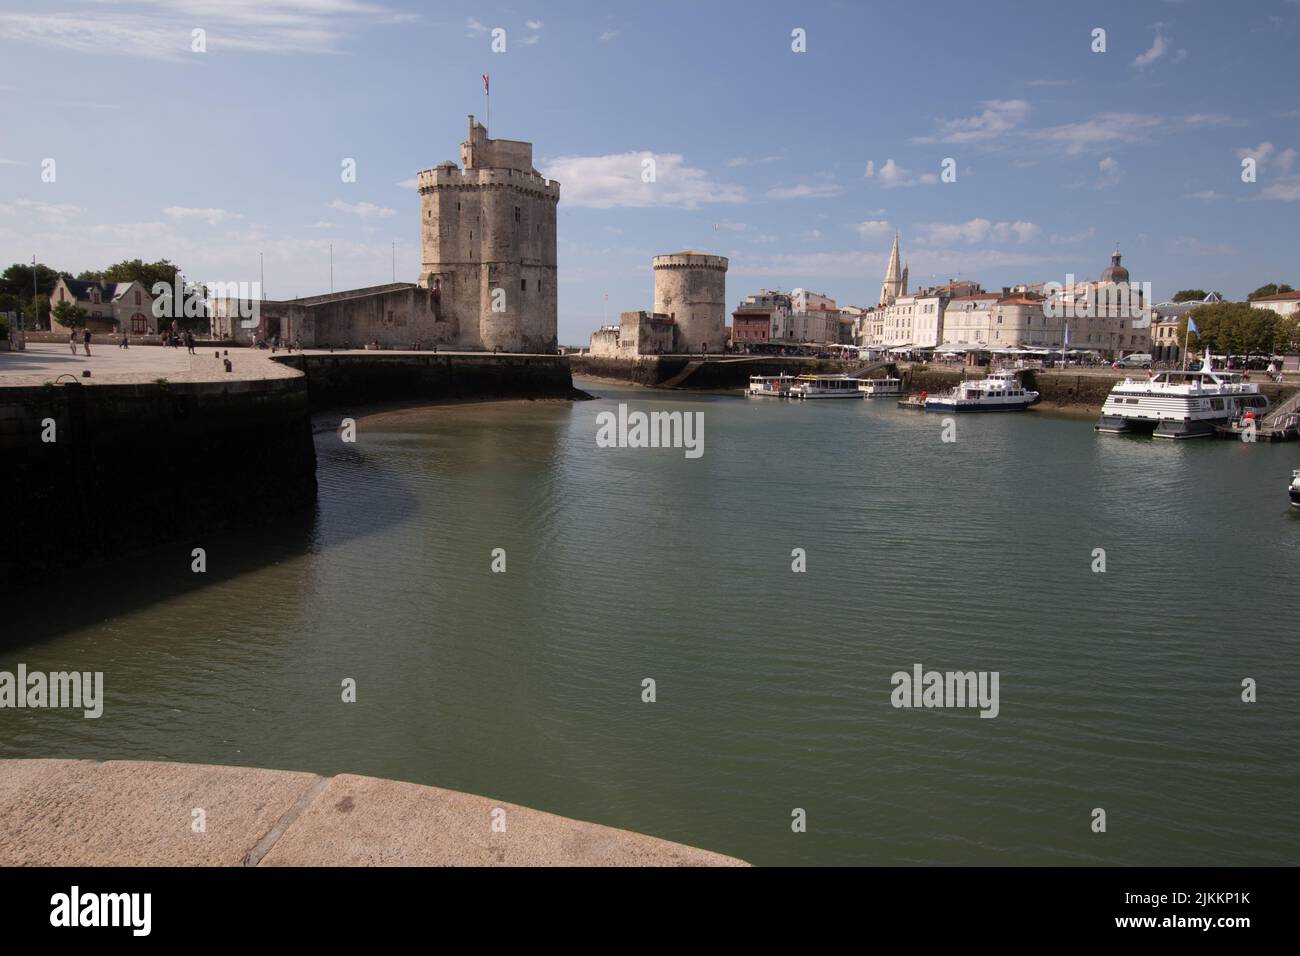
880	387
825	386
916	402
1000	392
1182	404
770	386
1295	488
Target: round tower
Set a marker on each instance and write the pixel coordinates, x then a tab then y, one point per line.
691	288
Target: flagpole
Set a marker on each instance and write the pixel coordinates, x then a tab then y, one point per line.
1186	328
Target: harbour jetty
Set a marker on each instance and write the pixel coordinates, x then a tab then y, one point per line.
145	813
131	448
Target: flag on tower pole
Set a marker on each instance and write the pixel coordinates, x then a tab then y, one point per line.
487	96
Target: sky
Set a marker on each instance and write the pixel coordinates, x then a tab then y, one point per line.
798	164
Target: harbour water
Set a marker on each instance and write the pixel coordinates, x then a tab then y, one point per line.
1118	690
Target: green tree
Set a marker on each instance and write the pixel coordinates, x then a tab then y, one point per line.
36	313
1273	288
131	270
1234	328
69	315
1190	295
16	281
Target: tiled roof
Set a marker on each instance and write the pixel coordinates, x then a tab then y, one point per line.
1278	297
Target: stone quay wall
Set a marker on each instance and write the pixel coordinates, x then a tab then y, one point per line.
136	465
354	379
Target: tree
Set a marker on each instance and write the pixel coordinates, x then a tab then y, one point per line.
1273	288
131	270
16	281
1235	328
36	315
69	315
1190	295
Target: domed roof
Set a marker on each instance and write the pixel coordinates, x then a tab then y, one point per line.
1114	272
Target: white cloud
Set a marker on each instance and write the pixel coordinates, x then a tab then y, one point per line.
1100	132
892	175
870	170
1108	169
997	118
411	183
162	30
365	210
1206	194
746	161
976	231
1159	47
608	35
872	228
213	217
50	212
534	24
607	182
805	191
1277	169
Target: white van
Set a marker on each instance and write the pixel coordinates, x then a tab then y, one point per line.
1135	360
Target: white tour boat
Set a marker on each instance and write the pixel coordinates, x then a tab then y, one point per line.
1295	488
771	386
825	386
880	387
1186	404
1000	392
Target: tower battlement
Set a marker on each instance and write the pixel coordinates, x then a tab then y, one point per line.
488	245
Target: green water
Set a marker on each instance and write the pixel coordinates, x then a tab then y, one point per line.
1118	690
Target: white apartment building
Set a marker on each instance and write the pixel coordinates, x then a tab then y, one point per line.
967	320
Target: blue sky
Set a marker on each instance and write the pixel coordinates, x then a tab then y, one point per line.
798	166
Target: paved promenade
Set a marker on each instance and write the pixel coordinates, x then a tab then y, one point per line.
140	364
140	813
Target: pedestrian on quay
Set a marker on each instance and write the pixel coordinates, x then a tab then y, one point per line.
189	341
72	341
85	340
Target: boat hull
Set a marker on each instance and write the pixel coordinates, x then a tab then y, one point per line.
939	405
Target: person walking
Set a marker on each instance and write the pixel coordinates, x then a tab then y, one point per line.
85	339
72	341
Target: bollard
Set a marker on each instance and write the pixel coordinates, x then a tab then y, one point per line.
226	362
85	373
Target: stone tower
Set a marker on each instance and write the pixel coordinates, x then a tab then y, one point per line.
487	234
691	288
895	283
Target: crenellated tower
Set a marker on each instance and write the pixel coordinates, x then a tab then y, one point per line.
488	245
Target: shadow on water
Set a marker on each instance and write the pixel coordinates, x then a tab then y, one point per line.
92	594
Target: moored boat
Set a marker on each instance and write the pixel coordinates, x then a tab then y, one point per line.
1000	392
1294	490
825	386
770	386
1181	404
886	387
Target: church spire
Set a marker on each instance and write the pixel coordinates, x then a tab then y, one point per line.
895	283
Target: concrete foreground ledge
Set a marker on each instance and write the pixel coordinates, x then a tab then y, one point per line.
142	813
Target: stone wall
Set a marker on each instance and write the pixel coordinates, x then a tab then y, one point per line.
354	381
133	466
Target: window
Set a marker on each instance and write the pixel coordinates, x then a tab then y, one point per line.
516	214
523	285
